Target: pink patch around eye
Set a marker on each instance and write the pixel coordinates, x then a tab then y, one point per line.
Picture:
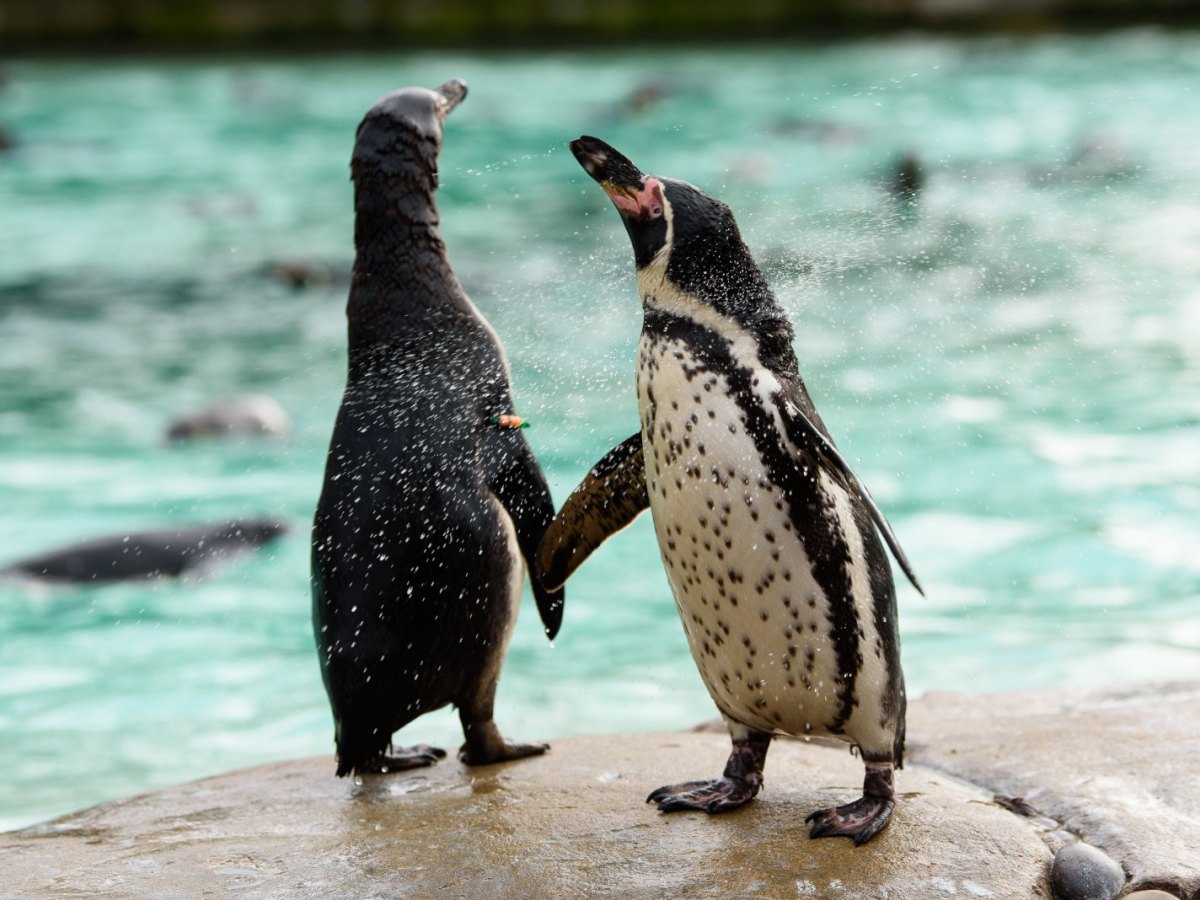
648	202
650	198
626	205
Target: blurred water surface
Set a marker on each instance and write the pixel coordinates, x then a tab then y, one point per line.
1014	367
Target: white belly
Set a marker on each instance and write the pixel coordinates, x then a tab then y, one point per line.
516	586
757	622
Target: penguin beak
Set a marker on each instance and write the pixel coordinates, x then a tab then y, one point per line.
636	196
453	92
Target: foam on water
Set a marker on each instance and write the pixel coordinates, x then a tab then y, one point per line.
1013	368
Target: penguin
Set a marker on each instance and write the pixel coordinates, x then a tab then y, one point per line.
906	178
770	542
432	501
179	552
242	415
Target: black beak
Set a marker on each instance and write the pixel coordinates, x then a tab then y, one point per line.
608	167
454	92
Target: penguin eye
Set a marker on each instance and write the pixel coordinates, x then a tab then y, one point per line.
654	208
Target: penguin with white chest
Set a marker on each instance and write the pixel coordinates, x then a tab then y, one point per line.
768	537
432	499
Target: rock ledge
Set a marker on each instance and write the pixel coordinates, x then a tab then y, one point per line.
571	824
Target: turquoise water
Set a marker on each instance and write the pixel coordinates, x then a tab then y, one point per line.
1014	368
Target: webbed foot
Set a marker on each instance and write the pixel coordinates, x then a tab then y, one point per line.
485	744
740	783
714	796
865	817
501	752
861	820
399	759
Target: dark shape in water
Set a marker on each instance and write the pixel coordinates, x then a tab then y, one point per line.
907	178
428	505
243	415
299	274
168	552
771	542
817	130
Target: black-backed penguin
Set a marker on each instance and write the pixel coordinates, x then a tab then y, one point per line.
194	550
780	577
430	502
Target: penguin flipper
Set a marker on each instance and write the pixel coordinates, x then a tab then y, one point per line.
805	434
610	496
517	482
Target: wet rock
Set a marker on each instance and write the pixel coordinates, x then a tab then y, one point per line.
1081	872
1082	759
1056	839
573	823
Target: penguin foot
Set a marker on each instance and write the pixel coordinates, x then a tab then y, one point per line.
865	817
861	820
399	759
741	781
714	796
504	752
486	745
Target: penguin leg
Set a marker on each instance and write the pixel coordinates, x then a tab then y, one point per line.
741	781
865	817
484	742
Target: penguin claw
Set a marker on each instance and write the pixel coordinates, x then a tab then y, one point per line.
717	795
861	820
427	750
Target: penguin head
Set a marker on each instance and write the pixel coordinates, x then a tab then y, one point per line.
397	145
640	199
662	215
694	241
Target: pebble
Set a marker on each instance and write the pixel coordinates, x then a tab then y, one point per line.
1150	895
1081	872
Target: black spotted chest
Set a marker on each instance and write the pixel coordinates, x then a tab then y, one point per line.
757	621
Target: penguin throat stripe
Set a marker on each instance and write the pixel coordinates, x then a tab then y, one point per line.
661	296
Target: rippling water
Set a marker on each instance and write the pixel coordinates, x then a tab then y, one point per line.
1014	368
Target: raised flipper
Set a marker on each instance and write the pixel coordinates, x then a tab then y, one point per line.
517	481
610	496
807	435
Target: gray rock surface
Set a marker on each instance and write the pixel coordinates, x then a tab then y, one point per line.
571	824
1117	767
1081	872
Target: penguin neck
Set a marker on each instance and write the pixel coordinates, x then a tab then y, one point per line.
402	286
754	323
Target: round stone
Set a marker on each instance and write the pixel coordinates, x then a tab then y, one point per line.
1150	895
1081	872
